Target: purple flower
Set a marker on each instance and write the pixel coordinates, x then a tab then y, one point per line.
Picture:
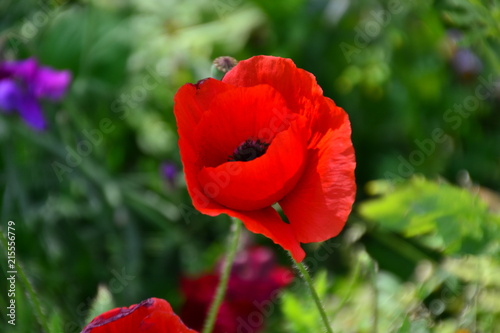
23	83
169	172
466	64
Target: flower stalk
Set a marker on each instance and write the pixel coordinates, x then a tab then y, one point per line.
307	279
224	278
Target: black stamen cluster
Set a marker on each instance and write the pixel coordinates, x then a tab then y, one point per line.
249	150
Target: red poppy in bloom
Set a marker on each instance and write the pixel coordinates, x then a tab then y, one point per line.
254	282
265	134
152	315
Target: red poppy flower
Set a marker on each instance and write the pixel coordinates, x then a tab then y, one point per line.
152	315
265	134
254	281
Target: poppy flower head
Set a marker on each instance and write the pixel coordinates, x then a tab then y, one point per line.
152	315
265	134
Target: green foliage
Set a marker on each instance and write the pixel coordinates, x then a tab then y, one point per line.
109	230
299	310
482	270
463	228
445	217
480	21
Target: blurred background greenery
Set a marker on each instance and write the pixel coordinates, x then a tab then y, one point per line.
419	80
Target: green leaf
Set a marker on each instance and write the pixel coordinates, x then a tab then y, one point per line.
406	327
451	218
103	302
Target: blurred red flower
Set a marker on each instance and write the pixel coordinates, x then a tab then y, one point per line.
152	315
265	134
254	282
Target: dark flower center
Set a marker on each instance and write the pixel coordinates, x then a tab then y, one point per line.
249	150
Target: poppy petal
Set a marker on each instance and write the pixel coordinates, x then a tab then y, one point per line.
191	101
247	105
263	181
296	85
237	115
320	203
200	200
264	221
269	223
151	315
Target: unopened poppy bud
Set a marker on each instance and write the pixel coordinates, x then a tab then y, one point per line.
225	63
222	65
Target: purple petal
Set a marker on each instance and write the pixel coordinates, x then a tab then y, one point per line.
51	83
169	171
31	112
23	69
44	81
23	83
10	94
467	63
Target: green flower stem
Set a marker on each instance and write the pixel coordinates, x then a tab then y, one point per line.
226	270
35	303
216	73
307	278
374	272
